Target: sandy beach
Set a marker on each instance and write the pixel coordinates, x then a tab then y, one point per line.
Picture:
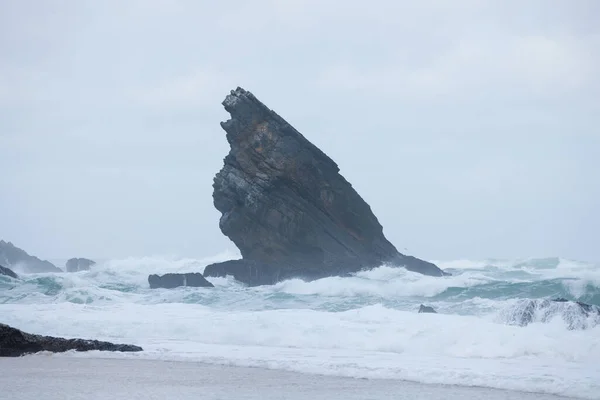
59	377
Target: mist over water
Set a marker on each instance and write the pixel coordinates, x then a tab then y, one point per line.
366	325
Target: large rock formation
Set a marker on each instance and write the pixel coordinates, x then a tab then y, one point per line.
170	281
575	314
15	343
8	272
287	208
78	264
15	258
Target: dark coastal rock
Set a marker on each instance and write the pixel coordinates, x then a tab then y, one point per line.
8	272
15	343
13	257
586	308
426	309
256	273
170	281
575	314
250	272
287	208
79	264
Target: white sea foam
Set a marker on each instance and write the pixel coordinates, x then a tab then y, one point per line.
383	281
525	311
363	326
372	341
461	264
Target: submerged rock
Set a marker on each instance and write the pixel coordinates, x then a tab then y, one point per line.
170	281
8	272
13	257
575	314
15	343
426	309
287	208
79	264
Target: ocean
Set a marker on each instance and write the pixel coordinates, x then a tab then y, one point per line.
364	326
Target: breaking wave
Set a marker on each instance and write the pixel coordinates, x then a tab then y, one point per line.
495	326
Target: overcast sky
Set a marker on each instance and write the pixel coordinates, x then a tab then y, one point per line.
472	128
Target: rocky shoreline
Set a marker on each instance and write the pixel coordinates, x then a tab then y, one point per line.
15	343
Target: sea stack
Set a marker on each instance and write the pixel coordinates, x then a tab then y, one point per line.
288	209
79	264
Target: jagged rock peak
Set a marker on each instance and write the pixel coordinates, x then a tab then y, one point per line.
287	208
245	109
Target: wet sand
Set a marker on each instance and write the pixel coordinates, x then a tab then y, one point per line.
52	377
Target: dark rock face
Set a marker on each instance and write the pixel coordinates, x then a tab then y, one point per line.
12	256
170	281
8	272
575	314
78	264
426	309
15	343
255	273
287	208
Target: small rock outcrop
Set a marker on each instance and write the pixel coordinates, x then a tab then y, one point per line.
255	273
78	264
287	208
15	343
575	314
170	281
426	309
8	272
13	257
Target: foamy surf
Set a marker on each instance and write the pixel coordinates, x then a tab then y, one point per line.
362	326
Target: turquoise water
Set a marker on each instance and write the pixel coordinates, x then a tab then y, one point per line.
122	280
364	326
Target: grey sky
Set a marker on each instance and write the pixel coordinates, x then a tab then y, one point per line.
472	128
